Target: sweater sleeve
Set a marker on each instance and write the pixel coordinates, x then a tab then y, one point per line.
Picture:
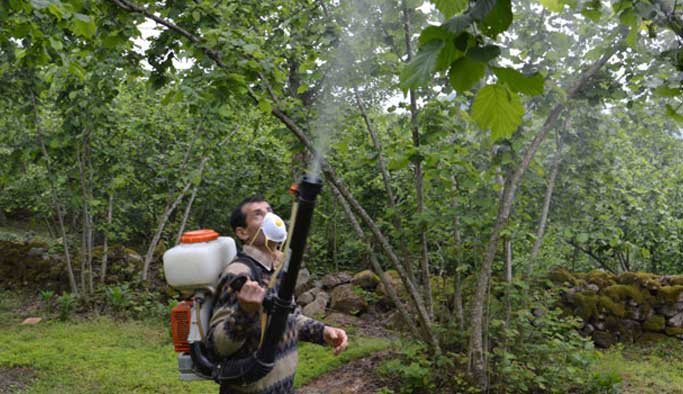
310	330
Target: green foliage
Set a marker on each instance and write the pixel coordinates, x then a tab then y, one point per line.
465	73
66	303
497	108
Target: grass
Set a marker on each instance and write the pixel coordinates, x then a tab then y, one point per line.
655	368
102	355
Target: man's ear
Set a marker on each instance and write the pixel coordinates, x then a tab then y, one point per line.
241	233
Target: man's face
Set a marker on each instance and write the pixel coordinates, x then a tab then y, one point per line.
254	212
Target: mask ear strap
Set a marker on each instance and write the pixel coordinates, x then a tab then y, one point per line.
254	237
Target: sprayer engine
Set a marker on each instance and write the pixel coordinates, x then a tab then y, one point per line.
193	268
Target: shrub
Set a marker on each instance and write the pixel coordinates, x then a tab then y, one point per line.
66	304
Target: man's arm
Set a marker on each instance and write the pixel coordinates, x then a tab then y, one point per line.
311	330
235	317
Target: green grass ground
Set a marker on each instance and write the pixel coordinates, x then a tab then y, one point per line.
646	369
102	355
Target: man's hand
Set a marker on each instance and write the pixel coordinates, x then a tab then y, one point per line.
251	296
336	338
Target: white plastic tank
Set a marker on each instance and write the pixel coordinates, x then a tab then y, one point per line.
198	260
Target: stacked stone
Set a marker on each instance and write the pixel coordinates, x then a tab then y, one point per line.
341	292
631	307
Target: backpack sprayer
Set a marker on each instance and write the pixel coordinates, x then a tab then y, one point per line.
193	268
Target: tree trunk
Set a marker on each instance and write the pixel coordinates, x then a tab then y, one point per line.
186	215
396	218
374	263
546	204
476	348
105	246
419	187
508	280
87	235
457	282
53	196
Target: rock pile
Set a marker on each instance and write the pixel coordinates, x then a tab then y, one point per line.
341	292
631	307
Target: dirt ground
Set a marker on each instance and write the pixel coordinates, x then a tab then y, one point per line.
356	377
14	380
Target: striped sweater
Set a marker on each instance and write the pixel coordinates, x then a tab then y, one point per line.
235	334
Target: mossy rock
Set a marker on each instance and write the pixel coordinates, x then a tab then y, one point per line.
560	275
585	303
673	331
626	292
640	278
676	280
652	337
670	294
611	307
600	278
604	339
656	323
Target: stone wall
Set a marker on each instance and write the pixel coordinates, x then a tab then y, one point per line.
631	307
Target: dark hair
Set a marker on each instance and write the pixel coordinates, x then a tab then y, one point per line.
237	218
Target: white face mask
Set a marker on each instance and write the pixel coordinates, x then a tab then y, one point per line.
273	228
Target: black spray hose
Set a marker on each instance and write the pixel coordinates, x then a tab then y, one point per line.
256	366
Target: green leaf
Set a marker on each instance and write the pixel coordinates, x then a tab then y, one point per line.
40	4
264	105
671	112
553	5
450	7
632	36
447	55
419	71
435	33
629	17
531	85
582	238
498	20
83	25
465	73
497	108
482	8
56	44
666	91
458	23
448	52
484	54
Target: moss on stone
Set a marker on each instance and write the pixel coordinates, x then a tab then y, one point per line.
626	292
669	294
630	278
651	337
561	275
673	331
614	308
586	304
656	323
600	278
676	280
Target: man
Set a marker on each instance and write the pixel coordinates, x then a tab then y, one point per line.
235	328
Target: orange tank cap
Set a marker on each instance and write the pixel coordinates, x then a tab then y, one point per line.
294	189
196	236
